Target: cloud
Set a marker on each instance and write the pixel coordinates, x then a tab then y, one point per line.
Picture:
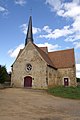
47	32
77	45
51	47
24	28
57	33
66	10
47	29
78	59
36	30
54	4
78	70
3	10
14	52
69	10
20	2
62	9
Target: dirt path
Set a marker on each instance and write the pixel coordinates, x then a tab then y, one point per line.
25	104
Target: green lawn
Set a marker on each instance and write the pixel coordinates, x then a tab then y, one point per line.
66	92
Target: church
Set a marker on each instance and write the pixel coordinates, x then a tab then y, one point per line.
35	67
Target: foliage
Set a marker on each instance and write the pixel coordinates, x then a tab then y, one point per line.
78	79
66	92
4	76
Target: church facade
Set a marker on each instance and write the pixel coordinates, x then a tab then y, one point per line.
35	67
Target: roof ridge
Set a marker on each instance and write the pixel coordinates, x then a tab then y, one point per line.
45	56
61	50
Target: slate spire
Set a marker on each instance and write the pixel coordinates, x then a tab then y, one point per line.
29	36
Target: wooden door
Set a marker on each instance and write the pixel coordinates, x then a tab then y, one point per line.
28	81
66	82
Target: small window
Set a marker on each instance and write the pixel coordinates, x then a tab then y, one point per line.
28	67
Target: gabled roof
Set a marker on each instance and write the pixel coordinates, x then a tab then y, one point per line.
45	56
63	58
56	59
17	56
45	49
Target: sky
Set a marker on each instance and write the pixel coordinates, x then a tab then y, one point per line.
56	24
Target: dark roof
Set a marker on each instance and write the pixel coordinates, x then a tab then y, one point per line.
45	56
29	36
63	58
45	49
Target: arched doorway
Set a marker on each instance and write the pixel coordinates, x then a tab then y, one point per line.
27	81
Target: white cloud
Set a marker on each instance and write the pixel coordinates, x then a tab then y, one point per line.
78	59
67	10
47	29
36	30
24	28
14	52
3	10
73	37
78	70
76	24
51	47
76	1
20	2
77	45
54	4
58	33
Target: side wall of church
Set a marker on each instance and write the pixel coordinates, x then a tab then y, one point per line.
69	73
38	72
52	76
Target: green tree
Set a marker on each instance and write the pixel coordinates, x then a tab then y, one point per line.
4	76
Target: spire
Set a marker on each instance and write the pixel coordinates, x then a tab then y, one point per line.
29	36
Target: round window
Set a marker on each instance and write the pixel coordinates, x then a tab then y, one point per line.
28	67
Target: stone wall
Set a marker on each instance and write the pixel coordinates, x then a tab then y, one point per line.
43	76
52	76
69	73
38	72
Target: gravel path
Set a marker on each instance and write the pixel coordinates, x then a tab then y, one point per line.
28	104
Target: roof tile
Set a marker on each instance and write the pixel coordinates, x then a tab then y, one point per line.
63	58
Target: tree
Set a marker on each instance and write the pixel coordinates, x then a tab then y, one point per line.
4	76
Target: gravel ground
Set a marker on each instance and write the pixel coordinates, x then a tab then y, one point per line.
28	104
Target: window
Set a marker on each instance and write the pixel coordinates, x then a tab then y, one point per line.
28	67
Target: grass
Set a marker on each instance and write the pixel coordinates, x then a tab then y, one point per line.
65	92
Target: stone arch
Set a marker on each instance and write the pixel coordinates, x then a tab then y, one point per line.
28	81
